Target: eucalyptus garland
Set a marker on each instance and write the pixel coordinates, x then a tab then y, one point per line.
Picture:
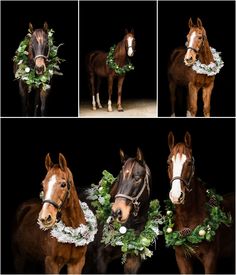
117	234
114	66
211	69
203	232
27	73
80	236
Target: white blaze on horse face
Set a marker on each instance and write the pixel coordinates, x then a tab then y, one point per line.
130	49
178	162
48	196
191	42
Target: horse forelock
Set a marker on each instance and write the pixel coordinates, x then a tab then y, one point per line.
181	149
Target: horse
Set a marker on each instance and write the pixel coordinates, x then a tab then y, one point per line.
38	52
130	197
189	196
106	65
32	240
181	70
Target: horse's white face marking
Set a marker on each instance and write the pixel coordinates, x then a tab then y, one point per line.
48	196
130	49
191	41
178	163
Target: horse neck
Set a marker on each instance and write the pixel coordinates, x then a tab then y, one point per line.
120	53
193	211
205	54
72	213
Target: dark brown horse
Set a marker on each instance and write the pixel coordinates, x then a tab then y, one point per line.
188	194
98	67
34	102
130	197
32	239
181	73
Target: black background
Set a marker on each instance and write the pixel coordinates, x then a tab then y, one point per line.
218	18
62	17
103	24
92	145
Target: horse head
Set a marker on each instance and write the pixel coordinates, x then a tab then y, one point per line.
132	187
39	48
129	42
180	168
56	191
195	41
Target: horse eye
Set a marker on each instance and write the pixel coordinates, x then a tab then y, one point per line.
63	184
200	37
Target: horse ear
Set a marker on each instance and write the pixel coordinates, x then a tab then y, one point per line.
45	26
171	140
126	31
48	162
199	22
62	162
190	23
31	29
139	155
132	31
187	139
122	156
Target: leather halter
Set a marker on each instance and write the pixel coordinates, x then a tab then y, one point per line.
186	182
134	200
57	206
198	49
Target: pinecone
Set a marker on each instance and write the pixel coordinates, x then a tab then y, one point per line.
213	201
185	232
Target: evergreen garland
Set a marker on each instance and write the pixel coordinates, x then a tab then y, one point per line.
28	74
114	66
205	231
118	235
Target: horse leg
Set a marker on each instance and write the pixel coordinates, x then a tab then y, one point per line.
206	96
210	262
184	264
120	84
97	92
172	88
76	268
43	98
103	259
110	86
92	85
51	266
132	264
24	98
192	93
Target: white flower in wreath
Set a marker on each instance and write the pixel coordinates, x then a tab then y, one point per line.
27	69
50	72
101	200
20	62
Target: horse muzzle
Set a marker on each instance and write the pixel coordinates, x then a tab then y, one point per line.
40	66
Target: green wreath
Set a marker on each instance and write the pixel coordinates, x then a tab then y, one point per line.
205	231
114	66
119	235
27	74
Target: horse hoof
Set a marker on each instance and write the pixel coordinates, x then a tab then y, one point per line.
188	114
94	108
120	110
172	115
109	109
100	106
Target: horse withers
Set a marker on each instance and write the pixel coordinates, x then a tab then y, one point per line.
110	65
35	239
199	224
194	68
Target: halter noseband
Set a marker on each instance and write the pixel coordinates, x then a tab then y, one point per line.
196	50
186	182
57	206
134	200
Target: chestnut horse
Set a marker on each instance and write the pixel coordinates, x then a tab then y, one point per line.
32	241
130	197
38	53
98	68
189	197
180	72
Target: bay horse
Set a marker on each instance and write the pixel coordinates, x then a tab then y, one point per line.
181	73
34	102
98	67
130	197
32	239
188	194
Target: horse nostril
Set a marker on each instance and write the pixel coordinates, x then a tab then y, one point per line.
181	197
49	218
46	220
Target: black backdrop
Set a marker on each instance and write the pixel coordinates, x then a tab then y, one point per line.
103	24
218	18
62	17
92	145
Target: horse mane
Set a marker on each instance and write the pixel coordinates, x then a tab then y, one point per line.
120	54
